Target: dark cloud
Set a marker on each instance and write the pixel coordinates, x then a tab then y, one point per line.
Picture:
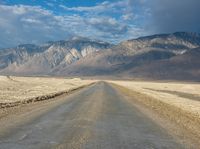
109	20
173	15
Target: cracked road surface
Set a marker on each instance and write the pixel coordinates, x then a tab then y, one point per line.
96	117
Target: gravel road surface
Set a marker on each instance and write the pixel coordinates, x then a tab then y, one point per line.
96	117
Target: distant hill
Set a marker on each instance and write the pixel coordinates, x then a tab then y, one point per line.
176	42
163	56
180	67
137	57
42	59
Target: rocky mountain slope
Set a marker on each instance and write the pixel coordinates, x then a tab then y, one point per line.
181	67
126	59
42	59
109	63
176	42
150	57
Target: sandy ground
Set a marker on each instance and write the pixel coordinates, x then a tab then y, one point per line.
177	103
185	96
13	89
99	116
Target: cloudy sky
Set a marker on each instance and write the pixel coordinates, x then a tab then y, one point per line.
38	21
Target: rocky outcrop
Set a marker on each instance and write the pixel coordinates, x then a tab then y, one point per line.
42	59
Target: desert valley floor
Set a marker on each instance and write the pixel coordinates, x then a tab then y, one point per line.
39	112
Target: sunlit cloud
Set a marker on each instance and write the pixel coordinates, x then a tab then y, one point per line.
113	21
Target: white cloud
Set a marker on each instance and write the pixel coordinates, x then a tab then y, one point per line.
29	20
29	24
99	8
128	16
21	24
93	8
112	21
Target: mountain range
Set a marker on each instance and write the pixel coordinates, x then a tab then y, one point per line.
163	56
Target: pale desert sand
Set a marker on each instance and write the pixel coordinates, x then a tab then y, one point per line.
175	105
185	96
13	89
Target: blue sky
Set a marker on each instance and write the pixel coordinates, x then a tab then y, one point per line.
38	21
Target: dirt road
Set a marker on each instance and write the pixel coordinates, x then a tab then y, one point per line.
96	117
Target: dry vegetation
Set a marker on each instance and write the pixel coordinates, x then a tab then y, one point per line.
15	89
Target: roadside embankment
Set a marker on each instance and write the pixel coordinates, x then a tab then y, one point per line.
177	102
15	91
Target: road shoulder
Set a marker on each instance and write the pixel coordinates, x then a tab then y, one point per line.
162	114
13	117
